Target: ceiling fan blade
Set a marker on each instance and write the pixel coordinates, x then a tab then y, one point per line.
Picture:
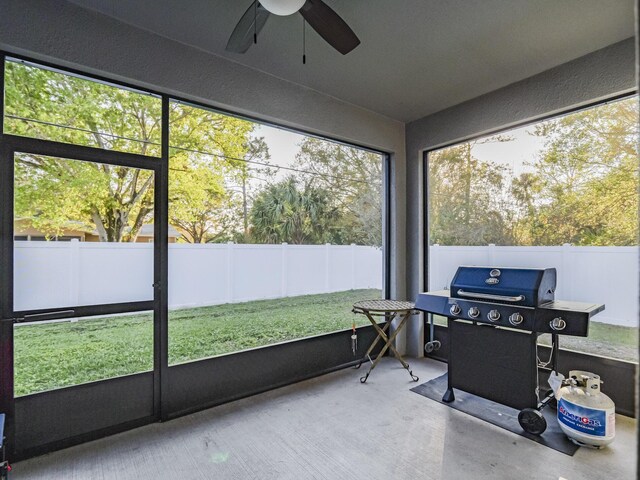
329	26
242	36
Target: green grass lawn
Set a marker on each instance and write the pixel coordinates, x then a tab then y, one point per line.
55	355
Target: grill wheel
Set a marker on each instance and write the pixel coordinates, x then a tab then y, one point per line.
532	421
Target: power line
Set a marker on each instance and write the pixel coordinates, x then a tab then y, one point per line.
78	129
279	167
199	152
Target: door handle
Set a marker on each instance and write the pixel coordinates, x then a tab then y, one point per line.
45	315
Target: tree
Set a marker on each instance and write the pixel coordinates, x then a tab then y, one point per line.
586	179
196	193
581	188
205	147
467	205
116	201
525	190
54	192
283	212
354	178
204	191
254	166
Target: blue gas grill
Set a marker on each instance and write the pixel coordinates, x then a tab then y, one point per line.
495	316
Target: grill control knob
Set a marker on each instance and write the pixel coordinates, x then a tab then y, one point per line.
557	324
516	319
474	312
493	315
455	310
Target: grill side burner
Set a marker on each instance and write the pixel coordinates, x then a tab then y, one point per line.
508	309
576	316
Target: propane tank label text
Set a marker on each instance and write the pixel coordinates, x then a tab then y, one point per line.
582	419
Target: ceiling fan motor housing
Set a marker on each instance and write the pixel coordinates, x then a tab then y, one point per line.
282	7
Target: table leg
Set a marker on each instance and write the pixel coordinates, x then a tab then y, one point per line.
381	335
395	352
375	341
393	349
388	345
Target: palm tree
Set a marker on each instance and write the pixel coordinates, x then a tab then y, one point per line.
284	213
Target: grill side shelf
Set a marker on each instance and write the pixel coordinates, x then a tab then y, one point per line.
575	315
434	302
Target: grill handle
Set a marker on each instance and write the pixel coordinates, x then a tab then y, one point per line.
489	296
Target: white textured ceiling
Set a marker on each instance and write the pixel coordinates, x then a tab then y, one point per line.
416	56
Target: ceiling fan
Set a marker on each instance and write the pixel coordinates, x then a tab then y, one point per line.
316	13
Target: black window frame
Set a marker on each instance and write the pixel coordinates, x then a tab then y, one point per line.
621	374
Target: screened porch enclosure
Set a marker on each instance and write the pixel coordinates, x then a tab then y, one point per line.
188	231
161	248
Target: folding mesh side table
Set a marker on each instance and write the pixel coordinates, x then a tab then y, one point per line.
389	309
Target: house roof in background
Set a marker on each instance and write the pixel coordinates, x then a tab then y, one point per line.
416	57
147	231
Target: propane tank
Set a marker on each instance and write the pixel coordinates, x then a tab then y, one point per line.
585	414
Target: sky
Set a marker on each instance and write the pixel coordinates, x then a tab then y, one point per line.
283	146
523	147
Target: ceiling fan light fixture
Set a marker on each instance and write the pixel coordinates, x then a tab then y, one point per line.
317	14
282	7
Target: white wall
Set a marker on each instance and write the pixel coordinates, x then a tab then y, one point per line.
606	275
63	274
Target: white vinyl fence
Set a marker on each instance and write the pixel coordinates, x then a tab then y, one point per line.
606	275
62	274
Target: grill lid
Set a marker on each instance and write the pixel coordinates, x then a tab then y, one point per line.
528	287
